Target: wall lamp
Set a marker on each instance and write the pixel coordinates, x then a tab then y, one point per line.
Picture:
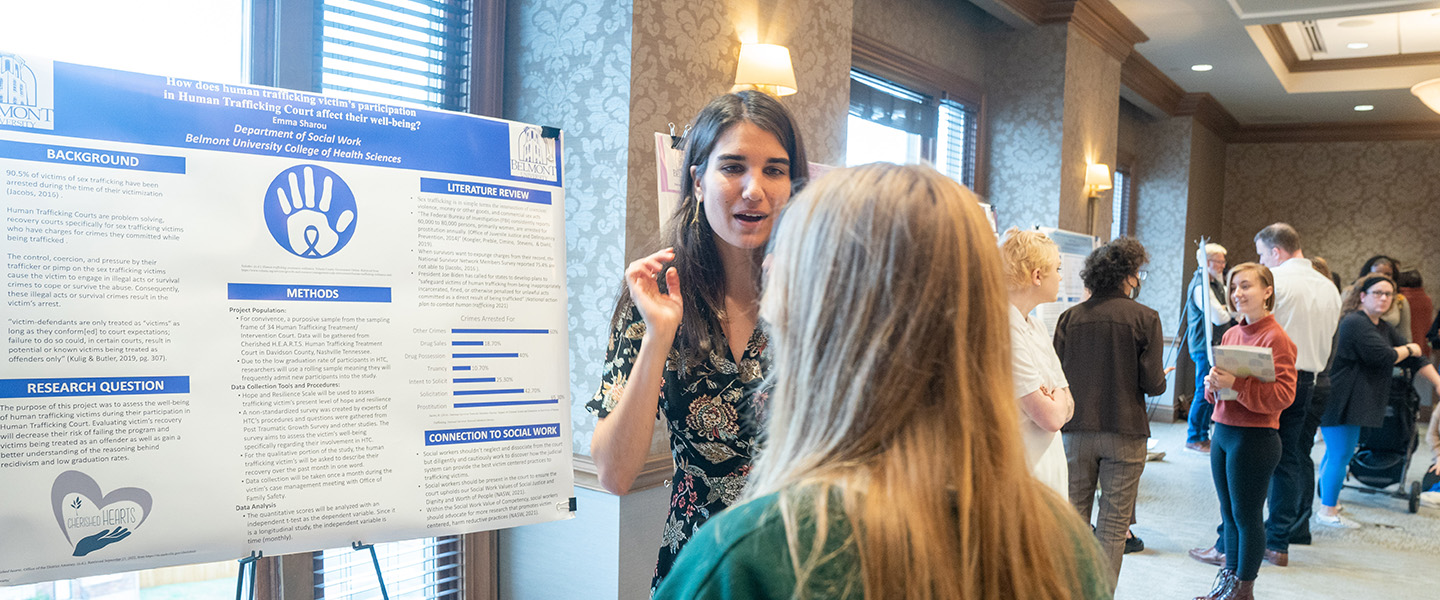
1097	179
765	67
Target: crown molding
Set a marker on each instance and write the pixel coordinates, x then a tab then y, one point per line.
1208	111
658	468
1144	78
1385	131
1098	20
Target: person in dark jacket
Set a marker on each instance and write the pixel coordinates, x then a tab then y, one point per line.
1367	348
1111	350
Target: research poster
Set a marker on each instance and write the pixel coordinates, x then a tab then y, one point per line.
246	319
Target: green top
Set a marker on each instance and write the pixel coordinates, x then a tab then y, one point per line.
742	553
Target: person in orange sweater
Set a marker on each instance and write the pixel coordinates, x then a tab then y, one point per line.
1246	445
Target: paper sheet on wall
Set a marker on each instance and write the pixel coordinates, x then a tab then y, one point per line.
1074	248
243	319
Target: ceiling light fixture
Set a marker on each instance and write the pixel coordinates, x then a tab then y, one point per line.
1364	107
1429	93
1357	45
1356	23
1201	68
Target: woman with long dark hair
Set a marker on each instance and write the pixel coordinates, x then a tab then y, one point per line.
893	467
685	341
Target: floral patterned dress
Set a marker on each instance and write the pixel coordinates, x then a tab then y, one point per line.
715	412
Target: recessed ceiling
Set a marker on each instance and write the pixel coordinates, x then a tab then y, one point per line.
1411	32
1186	32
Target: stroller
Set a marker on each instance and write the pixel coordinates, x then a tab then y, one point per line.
1383	457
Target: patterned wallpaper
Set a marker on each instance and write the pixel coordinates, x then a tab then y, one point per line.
1092	108
684	54
568	65
1025	75
943	33
1162	191
1348	200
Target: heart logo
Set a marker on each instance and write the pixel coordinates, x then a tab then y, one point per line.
91	520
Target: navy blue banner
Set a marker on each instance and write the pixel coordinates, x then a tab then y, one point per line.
308	293
105	104
483	190
475	435
93	386
93	157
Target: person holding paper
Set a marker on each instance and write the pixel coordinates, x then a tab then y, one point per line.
1031	263
686	343
1246	446
1367	348
892	468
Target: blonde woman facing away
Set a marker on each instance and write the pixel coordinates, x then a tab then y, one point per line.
892	466
1031	263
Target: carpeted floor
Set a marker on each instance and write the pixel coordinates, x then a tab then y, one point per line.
1395	555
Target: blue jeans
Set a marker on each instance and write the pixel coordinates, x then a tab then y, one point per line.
1200	410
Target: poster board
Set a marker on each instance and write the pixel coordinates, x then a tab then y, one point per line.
1074	248
247	319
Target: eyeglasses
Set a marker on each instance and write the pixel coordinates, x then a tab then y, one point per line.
1142	274
1382	294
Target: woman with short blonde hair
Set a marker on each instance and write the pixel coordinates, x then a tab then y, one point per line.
1031	263
892	468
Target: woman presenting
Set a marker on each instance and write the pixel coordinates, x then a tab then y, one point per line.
685	341
1246	445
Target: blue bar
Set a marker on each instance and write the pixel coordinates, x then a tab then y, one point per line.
488	392
474	380
499	331
460	368
505	403
488	355
483	190
474	435
93	386
458	343
91	157
308	293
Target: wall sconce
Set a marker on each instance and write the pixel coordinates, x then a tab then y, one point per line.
1097	179
1429	93
765	67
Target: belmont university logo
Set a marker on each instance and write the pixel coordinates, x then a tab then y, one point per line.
532	155
27	92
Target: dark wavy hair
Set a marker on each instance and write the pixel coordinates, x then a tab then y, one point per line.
1377	259
702	276
1107	267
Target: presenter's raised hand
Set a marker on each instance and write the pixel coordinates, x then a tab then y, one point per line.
660	309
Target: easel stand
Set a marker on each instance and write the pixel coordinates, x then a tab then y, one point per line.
247	575
375	560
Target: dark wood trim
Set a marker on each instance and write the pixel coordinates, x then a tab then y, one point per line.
982	156
487	58
1146	79
1385	131
482	565
657	470
1100	21
874	56
1209	112
1281	41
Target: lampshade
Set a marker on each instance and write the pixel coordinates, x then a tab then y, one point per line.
1097	178
1429	93
765	67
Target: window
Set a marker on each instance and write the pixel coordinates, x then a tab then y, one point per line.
905	111
1122	218
422	569
413	52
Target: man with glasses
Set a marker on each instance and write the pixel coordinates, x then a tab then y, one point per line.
1307	307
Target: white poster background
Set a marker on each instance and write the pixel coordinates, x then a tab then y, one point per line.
308	423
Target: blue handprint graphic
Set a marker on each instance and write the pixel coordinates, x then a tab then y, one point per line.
310	211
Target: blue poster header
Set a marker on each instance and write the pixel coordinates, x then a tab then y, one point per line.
93	386
308	293
92	157
483	190
475	435
105	104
